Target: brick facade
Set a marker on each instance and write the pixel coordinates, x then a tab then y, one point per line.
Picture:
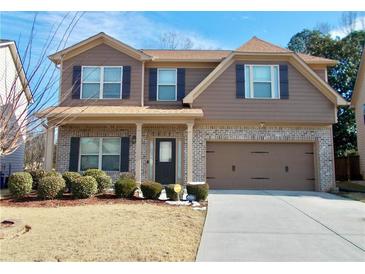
321	136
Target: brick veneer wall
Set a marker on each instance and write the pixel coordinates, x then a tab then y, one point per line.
201	135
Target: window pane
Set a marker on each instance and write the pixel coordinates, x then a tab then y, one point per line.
165	152
111	146
89	145
247	82
262	90
91	74
167	77
111	91
166	93
90	91
89	161
110	162
276	82
112	74
262	73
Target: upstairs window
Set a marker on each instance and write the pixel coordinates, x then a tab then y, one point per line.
262	81
166	84
101	82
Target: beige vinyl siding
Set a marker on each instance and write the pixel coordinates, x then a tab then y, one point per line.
305	104
361	127
321	73
102	55
193	76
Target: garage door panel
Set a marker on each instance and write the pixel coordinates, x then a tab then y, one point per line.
260	166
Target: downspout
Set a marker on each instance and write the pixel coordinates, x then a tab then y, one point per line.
142	88
60	83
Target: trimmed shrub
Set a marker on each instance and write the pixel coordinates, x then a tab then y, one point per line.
53	173
84	187
199	191
171	194
69	177
20	184
125	187
151	190
50	187
36	174
127	175
94	172
104	182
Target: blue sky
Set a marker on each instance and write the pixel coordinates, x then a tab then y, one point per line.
207	30
225	30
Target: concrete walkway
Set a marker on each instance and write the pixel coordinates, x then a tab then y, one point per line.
282	226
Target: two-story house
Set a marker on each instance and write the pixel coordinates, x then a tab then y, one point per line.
15	97
257	117
358	102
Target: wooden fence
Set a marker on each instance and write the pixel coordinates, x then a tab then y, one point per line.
347	168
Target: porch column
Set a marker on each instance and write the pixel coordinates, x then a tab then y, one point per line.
189	155
48	153
139	152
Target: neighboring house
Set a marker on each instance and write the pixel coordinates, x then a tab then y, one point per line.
258	117
358	101
12	83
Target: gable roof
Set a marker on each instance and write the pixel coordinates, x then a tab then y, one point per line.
289	56
257	45
19	66
359	80
95	41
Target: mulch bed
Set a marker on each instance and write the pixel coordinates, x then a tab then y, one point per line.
67	200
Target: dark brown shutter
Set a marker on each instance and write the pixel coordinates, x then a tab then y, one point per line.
124	154
284	83
126	89
76	82
74	154
240	81
180	84
152	84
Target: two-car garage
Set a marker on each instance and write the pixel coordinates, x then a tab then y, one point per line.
242	165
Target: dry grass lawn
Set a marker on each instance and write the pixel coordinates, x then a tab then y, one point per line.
117	232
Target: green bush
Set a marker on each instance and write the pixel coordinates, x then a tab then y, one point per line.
84	187
69	177
125	187
36	174
171	194
50	187
151	190
127	175
20	184
94	172
53	173
199	191
104	182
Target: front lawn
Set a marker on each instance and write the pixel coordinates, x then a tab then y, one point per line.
104	232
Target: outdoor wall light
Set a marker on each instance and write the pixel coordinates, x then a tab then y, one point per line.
133	139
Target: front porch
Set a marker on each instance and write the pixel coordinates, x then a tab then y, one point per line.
147	139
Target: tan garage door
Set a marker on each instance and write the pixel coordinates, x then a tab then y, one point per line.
260	166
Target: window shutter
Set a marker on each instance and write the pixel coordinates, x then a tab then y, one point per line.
74	154
76	81
284	86
126	89
124	154
153	84
180	84
240	81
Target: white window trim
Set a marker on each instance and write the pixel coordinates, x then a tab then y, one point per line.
100	153
101	83
272	82
158	84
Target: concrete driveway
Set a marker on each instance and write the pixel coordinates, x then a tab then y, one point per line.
282	226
